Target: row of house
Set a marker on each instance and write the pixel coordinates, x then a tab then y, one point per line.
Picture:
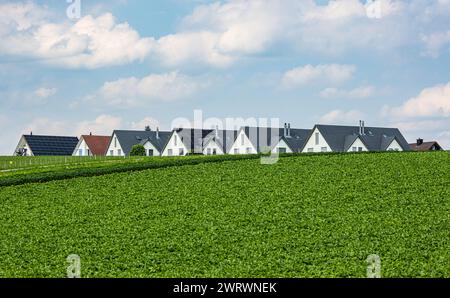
246	140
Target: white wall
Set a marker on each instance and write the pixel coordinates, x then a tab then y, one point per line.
211	146
311	143
358	144
394	146
242	147
114	145
23	144
149	146
175	144
85	151
281	144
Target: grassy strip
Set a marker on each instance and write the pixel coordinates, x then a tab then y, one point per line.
62	173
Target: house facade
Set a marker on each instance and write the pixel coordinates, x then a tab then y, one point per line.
122	141
40	145
254	140
335	138
91	145
420	145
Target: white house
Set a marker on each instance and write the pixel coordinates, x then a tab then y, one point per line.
122	141
334	138
39	145
90	145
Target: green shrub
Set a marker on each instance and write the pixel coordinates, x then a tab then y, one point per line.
137	150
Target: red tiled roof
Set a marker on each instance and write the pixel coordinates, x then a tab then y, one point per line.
426	146
97	144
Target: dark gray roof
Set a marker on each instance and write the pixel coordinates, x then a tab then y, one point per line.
340	138
263	137
224	138
193	138
51	145
128	138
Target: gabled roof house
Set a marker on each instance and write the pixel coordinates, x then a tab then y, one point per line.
420	145
123	140
336	138
252	140
39	145
91	145
219	141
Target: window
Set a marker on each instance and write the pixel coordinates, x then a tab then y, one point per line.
88	153
317	138
115	142
208	151
181	151
242	139
236	151
119	152
281	150
214	151
80	152
323	149
360	149
354	149
111	152
310	150
170	152
150	152
175	140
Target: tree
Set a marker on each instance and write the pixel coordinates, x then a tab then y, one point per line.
137	150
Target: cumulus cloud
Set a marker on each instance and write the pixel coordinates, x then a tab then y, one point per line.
431	102
91	42
134	91
435	42
147	121
45	92
221	33
357	93
102	125
342	117
329	73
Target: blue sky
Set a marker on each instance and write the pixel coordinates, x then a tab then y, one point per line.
124	64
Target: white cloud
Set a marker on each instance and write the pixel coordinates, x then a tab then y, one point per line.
329	73
45	92
133	91
102	125
435	42
340	117
192	48
147	121
91	42
431	102
357	93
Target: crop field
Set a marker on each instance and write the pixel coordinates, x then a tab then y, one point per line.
305	216
16	163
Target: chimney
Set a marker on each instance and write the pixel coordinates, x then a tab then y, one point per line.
285	130
289	130
360	127
216	131
147	128
363	128
419	142
31	133
90	133
157	132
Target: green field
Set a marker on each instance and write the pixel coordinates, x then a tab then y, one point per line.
306	216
